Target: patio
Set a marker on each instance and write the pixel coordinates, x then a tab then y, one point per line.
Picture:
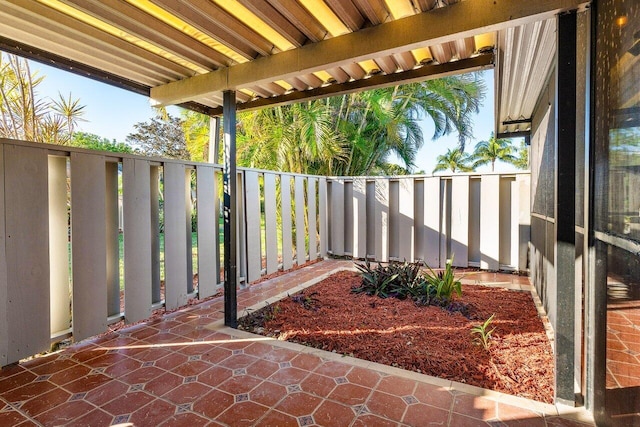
186	368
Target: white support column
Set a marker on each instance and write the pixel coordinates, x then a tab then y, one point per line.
271	222
381	219
59	245
490	222
175	238
460	221
432	211
301	250
208	243
137	239
254	250
285	213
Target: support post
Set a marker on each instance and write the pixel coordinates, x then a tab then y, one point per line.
214	139
230	210
565	193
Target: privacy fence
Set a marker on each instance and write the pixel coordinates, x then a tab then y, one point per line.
89	238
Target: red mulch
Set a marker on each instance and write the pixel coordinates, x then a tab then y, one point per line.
428	339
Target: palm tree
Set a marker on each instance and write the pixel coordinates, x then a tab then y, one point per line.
454	159
492	150
70	110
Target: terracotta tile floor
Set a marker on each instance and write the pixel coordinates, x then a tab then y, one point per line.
187	369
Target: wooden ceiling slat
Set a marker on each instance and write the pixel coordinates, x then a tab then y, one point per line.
300	18
86	40
338	74
134	21
297	83
220	25
374	10
347	12
354	70
464	47
311	80
405	60
442	52
387	64
425	5
275	20
273	88
261	91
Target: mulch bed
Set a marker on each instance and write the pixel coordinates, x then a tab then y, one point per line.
425	339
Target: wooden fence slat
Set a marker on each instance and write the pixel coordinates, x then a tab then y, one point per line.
59	245
323	222
432	212
208	229
27	253
137	238
154	206
381	218
271	222
337	217
311	211
175	238
301	251
88	244
490	222
4	283
285	211
254	250
460	221
359	218
406	249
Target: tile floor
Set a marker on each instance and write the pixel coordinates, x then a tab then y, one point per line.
188	369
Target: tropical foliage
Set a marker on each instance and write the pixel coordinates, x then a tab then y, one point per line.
487	152
161	138
455	160
95	142
358	133
27	116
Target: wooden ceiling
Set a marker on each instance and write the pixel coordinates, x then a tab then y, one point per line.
270	51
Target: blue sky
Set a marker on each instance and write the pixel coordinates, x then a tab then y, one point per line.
111	112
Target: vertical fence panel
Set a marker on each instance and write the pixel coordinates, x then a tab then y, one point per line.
445	226
59	245
271	222
4	300
322	209
337	217
432	211
175	248
474	222
418	216
348	217
154	206
506	220
311	213
137	238
460	220
285	213
490	222
359	218
188	208
515	225
381	219
208	242
241	231
88	232
405	219
524	219
27	252
301	251
112	216
254	250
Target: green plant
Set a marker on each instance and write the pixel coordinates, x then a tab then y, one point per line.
443	285
399	280
483	333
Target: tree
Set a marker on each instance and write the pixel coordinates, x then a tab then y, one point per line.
522	158
356	134
492	150
94	142
26	116
160	138
69	109
195	127
454	159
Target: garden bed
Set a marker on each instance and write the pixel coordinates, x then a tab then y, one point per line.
425	339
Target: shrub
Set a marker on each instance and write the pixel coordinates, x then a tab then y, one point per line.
483	333
443	284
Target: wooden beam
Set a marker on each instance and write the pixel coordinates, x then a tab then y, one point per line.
442	25
419	74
